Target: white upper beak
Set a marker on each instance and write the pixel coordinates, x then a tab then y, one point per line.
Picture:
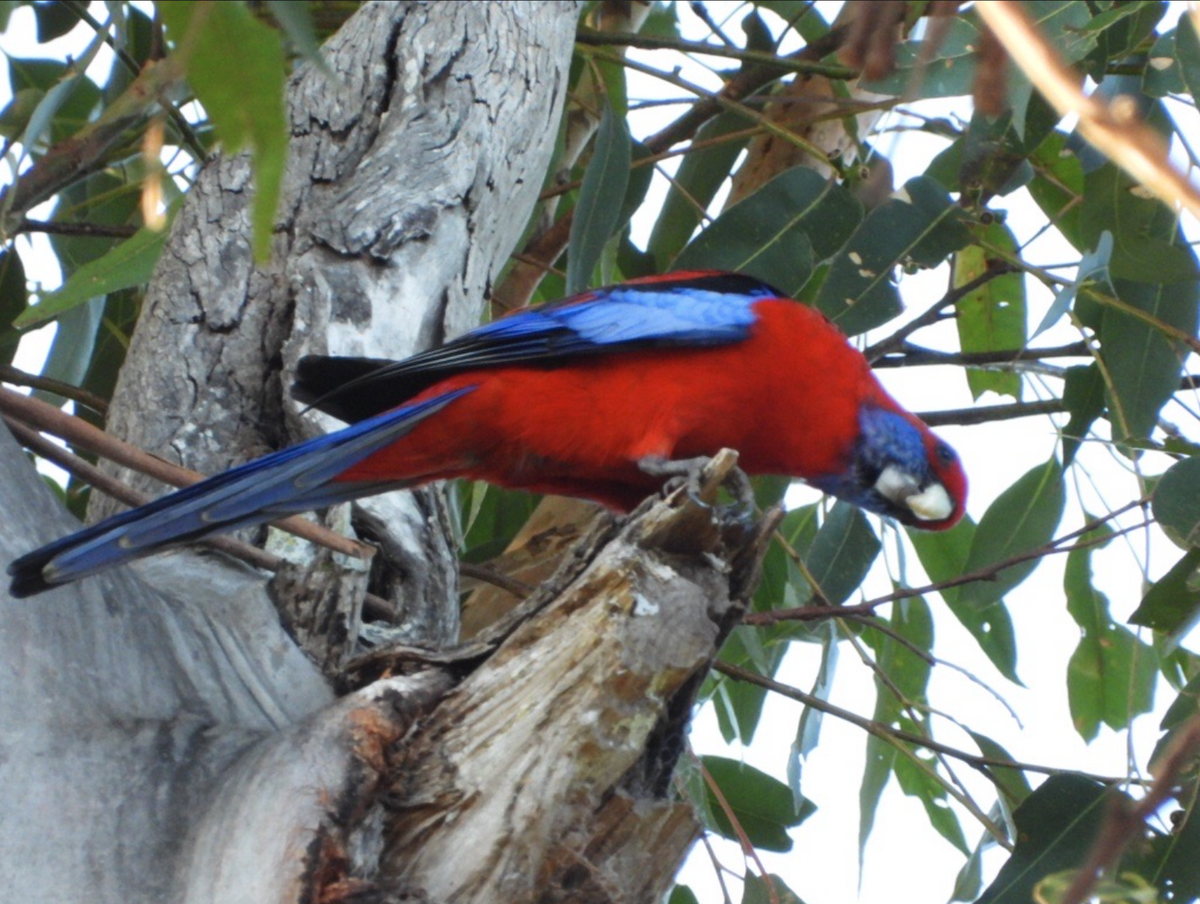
931	504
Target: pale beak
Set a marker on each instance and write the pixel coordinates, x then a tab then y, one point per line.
931	504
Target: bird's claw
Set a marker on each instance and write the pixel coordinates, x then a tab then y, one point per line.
690	473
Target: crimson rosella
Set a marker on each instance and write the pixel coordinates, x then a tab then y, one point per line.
585	397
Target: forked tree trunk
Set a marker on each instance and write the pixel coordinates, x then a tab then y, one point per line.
163	738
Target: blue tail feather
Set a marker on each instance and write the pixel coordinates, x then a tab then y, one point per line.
296	479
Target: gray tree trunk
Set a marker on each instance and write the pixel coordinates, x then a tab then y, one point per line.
163	738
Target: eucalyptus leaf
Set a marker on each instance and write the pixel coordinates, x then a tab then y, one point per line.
918	226
601	197
244	101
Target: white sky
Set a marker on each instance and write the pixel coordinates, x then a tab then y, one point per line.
823	867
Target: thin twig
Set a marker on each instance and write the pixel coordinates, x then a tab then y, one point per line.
794	63
895	341
99	230
914	356
987	573
518	588
978	761
985	414
10	374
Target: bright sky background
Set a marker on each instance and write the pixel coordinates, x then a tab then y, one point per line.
823	867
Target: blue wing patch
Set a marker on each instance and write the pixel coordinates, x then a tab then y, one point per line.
691	310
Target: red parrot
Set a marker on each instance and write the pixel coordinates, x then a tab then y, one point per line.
593	396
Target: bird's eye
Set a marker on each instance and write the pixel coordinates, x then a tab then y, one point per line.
945	455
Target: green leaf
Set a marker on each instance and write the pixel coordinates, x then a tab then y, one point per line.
495	517
1055	829
1110	676
943	553
779	232
1083	397
244	101
924	787
1057	187
682	894
918	226
71	97
1011	781
761	804
14	297
598	211
1120	29
950	67
906	672
699	177
1143	363
768	889
1065	25
130	263
1172	604
1163	74
992	318
881	760
1144	229
1022	519
1187	55
71	352
296	22
842	553
1176	503
640	178
54	20
739	704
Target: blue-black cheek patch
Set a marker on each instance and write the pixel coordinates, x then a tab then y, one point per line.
885	438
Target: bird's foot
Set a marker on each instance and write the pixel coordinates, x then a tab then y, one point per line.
701	476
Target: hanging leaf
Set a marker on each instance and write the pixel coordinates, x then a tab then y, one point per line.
700	175
761	804
992	318
244	101
1172	604
842	553
1023	518
1110	677
601	197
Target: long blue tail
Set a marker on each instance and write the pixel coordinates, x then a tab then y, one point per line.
297	479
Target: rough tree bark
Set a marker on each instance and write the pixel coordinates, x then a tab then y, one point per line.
163	738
